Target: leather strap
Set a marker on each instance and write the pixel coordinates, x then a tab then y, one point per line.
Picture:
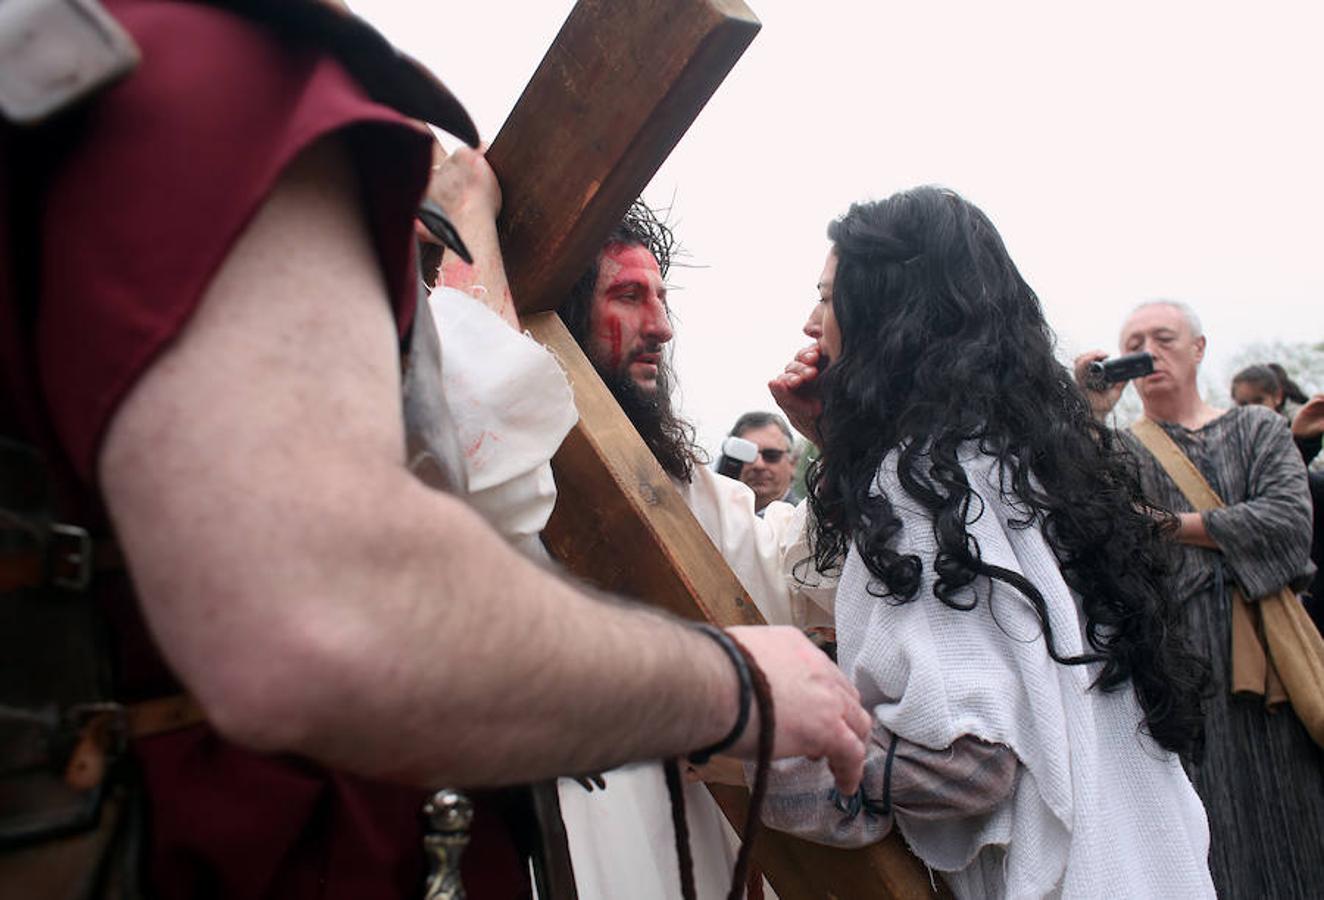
1177	464
104	732
22	570
163	714
29	567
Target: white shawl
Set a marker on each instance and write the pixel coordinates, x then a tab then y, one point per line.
1099	809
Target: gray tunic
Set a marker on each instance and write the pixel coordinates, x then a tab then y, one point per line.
1261	777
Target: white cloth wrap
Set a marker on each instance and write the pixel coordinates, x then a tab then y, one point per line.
1099	809
512	407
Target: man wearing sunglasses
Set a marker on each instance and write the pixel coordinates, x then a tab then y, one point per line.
770	474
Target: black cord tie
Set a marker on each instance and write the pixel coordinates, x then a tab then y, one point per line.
753	685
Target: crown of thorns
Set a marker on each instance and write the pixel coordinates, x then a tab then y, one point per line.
644	225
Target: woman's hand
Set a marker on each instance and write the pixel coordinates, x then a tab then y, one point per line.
796	392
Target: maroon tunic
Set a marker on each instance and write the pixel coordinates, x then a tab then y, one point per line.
164	172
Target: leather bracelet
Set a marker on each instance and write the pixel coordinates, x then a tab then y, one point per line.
737	657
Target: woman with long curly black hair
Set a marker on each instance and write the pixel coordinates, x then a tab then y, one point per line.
1000	604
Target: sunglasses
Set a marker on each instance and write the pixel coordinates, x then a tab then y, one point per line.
771	456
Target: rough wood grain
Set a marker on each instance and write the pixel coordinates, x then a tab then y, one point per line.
620	524
619	86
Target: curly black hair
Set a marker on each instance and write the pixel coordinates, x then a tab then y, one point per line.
945	345
670	437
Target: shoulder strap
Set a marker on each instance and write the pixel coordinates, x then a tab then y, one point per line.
1252	671
1177	464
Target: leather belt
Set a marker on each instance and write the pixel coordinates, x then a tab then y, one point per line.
68	559
150	717
108	726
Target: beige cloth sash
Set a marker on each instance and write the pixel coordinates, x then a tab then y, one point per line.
1277	652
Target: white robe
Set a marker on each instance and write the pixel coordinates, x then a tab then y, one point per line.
513	406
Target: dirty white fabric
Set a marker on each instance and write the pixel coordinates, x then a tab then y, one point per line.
512	408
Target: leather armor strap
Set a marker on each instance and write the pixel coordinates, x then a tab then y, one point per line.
66	558
106	730
151	717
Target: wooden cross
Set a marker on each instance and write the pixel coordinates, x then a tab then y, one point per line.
619	86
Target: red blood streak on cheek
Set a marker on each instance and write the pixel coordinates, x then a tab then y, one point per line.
614	337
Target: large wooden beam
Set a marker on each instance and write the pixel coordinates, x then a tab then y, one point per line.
621	83
620	524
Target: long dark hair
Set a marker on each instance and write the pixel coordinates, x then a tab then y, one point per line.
670	437
943	345
1272	378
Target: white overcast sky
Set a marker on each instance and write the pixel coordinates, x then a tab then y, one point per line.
1125	151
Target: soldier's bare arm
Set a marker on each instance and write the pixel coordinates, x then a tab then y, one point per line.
319	600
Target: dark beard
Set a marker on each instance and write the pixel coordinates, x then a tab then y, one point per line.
669	437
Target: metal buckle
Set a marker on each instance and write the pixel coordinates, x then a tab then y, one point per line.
54	53
69	557
108	718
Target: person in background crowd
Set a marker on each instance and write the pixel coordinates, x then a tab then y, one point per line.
772	472
1269	385
1266	385
1261	776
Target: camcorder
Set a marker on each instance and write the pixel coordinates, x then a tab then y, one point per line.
736	452
1104	372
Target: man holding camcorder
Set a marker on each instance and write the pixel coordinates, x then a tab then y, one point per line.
1255	544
